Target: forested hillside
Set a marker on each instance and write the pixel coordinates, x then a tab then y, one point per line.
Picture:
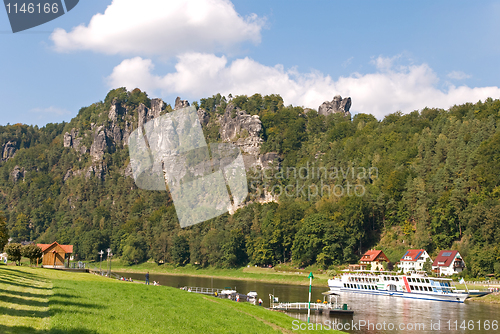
429	179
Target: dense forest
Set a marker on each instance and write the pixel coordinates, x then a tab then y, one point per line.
428	179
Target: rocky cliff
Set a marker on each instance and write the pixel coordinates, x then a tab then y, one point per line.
8	150
337	105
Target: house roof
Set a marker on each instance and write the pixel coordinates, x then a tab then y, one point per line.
414	254
372	255
445	258
67	248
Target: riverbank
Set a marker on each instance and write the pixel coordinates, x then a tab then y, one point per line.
269	275
44	301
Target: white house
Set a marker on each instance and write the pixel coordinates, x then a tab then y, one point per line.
375	259
413	260
448	262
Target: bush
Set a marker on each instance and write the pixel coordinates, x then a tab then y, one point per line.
32	252
14	252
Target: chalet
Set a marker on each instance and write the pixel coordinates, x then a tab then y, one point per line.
375	259
448	262
413	260
55	255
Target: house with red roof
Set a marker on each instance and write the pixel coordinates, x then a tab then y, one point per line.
413	260
448	262
374	258
55	255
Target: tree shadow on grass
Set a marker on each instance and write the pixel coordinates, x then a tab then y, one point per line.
23	313
52	302
20	274
10	282
23	301
28	330
23	294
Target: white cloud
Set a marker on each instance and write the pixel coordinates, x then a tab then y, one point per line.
51	111
385	91
347	62
458	75
159	27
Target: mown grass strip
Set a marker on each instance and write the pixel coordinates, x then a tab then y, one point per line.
54	302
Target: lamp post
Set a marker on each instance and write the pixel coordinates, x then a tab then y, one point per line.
107	259
310	287
100	263
110	257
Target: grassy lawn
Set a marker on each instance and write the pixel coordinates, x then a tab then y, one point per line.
34	300
491	298
272	275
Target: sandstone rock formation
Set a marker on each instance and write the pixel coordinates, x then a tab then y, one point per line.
179	104
18	173
99	144
337	105
203	116
8	150
243	130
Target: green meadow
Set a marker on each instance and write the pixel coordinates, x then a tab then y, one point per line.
34	300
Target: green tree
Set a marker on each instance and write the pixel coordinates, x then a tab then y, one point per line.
13	251
32	252
4	233
233	249
180	250
134	250
427	267
309	240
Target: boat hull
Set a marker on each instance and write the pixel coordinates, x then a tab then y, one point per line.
453	298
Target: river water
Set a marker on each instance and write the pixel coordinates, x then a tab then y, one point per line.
372	314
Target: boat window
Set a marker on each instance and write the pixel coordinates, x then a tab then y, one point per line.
411	287
426	280
420	288
397	279
410	279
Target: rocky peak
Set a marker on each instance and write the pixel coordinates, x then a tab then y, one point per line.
203	116
337	105
18	173
179	104
146	114
72	140
8	150
99	144
242	129
115	111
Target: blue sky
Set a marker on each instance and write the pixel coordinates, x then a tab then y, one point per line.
386	55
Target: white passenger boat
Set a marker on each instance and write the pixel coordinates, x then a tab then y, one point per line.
414	286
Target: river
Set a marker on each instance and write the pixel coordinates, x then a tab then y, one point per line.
378	314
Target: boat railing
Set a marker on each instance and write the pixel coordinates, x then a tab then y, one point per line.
202	290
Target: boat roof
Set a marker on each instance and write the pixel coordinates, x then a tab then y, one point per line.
329	293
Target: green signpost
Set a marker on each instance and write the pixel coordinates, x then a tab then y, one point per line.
310	288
